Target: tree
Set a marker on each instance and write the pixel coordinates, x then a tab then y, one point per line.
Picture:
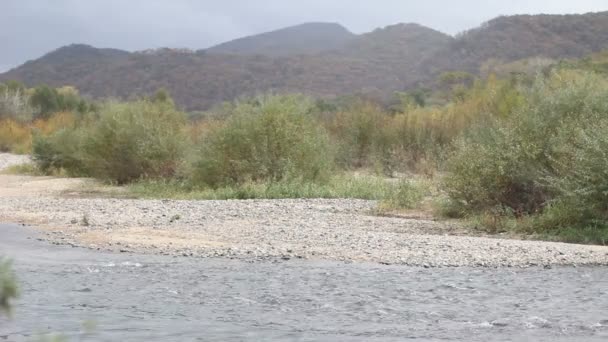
14	103
162	96
419	95
15	86
46	101
452	78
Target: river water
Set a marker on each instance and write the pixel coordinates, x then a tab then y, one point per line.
157	298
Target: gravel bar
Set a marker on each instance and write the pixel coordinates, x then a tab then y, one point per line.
341	229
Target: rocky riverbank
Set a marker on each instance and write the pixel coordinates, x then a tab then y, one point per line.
343	230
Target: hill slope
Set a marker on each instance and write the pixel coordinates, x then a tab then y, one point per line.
394	58
198	80
309	38
510	38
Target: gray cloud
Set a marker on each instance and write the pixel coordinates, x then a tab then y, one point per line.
30	28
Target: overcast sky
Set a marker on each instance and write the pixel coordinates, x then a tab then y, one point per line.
31	28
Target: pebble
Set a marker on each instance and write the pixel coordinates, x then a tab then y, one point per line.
329	229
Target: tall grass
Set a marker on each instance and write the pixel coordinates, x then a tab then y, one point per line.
14	136
417	138
17	136
361	134
405	194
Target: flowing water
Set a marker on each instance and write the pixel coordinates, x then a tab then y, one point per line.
155	298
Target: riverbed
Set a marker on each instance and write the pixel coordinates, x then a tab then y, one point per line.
135	297
82	212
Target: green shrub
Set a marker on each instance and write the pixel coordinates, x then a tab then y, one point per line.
580	180
406	194
46	101
272	138
61	150
8	286
14	104
135	140
498	172
363	136
126	142
507	164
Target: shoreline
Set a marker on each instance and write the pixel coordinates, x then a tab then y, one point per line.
555	255
313	229
334	230
26	236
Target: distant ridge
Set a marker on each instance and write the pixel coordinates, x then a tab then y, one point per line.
308	38
395	58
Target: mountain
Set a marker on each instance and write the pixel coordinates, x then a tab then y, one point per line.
510	38
69	63
198	80
397	52
394	58
307	38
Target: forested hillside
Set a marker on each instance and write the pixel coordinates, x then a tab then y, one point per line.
307	38
395	58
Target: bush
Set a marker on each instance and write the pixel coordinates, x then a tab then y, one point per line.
58	143
135	140
581	180
61	150
14	104
272	138
126	142
8	286
46	101
417	138
363	136
514	165
501	171
407	194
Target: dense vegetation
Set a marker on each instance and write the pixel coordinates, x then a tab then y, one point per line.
398	57
523	153
546	160
272	138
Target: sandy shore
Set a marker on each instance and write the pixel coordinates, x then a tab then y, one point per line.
264	229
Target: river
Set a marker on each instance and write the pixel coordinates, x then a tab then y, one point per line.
158	298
